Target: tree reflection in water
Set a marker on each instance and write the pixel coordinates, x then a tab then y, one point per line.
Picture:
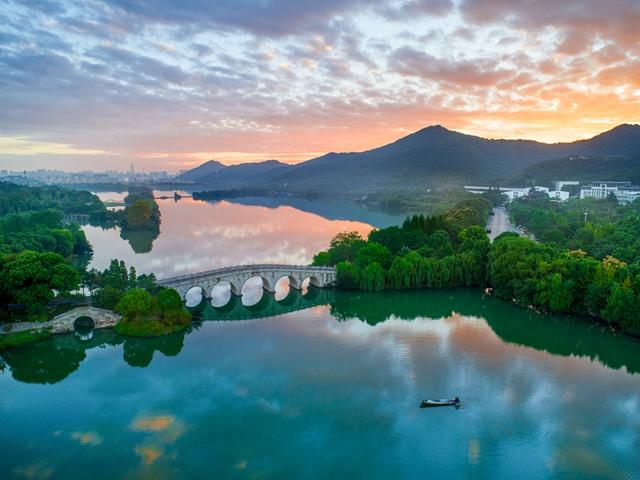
140	241
54	359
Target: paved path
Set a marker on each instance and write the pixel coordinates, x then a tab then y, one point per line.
499	223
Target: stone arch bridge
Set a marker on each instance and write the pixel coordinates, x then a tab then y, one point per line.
66	322
237	276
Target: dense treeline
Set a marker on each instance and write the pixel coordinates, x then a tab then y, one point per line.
555	280
452	250
448	250
41	231
20	199
38	255
29	279
214	195
606	229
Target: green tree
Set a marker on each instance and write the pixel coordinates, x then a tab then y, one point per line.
30	278
107	297
168	300
400	273
322	259
373	252
347	276
372	277
623	307
344	247
135	303
139	215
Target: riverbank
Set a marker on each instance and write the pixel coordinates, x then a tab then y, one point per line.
9	340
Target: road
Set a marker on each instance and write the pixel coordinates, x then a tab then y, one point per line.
499	223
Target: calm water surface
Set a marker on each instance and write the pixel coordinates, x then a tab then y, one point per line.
330	391
196	235
322	385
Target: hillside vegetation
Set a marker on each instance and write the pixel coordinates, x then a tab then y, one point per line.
432	158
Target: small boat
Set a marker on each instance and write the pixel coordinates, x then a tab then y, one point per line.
443	402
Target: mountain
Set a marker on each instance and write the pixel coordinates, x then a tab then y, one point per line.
195	174
234	175
581	168
433	157
220	176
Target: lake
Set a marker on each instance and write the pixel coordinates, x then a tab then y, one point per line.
197	235
322	385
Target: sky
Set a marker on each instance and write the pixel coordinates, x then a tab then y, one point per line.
166	85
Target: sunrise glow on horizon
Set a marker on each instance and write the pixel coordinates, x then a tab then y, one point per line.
167	85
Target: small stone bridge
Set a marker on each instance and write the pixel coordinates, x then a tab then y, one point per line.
66	322
236	276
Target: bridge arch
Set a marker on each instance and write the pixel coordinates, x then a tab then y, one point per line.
307	283
83	327
84	322
252	281
253	290
194	296
294	281
222	293
285	287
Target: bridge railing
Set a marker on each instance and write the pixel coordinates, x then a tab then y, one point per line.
273	267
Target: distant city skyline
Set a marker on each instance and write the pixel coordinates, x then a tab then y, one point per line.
168	85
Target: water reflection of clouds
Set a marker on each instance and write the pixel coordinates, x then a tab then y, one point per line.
87	438
245	389
197	236
36	471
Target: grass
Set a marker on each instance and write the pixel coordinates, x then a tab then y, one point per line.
13	340
151	327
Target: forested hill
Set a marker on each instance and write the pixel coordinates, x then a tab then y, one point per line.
195	174
431	157
581	168
215	173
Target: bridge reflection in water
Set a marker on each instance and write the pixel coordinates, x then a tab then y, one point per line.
267	306
54	359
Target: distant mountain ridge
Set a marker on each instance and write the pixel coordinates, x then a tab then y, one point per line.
429	158
581	168
195	174
213	172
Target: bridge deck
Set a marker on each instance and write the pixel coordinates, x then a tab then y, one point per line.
257	268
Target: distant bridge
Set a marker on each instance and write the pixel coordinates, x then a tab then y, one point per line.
237	276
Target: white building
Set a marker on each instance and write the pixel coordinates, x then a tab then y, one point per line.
628	195
601	189
559	195
560	184
512	192
623	191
